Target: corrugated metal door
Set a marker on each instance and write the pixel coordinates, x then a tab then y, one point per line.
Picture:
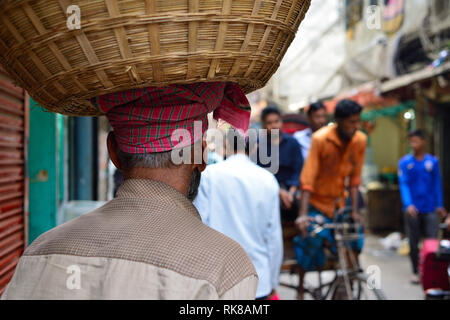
13	184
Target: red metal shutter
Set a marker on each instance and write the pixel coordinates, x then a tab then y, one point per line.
13	183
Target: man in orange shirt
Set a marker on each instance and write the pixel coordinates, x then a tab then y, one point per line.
334	163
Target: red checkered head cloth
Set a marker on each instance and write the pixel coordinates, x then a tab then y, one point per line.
150	119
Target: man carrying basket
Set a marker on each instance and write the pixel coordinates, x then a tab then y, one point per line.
148	242
155	69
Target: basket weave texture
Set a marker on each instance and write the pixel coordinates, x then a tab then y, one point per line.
124	44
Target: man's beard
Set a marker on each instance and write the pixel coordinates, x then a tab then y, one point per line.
194	184
345	137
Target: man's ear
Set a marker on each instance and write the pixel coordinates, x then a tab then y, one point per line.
112	149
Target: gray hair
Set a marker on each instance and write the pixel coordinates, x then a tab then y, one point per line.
156	160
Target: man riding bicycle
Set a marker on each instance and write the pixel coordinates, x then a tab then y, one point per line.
334	163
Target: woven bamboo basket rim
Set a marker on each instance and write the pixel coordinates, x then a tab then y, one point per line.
196	41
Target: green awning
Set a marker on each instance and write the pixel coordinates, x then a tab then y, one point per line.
392	111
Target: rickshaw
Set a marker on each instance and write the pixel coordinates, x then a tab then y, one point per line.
349	281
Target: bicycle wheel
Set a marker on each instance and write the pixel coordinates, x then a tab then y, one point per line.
365	292
339	291
359	289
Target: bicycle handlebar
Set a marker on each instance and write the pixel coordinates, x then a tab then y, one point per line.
341	225
320	225
320	220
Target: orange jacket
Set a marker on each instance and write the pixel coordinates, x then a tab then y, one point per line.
331	166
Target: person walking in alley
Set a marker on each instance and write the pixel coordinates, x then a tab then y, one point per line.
334	162
241	200
317	118
148	242
290	161
421	193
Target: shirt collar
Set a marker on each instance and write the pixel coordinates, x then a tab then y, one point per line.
156	191
425	157
238	157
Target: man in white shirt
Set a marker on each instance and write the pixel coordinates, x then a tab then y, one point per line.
241	200
317	118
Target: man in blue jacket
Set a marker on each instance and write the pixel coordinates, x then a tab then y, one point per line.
421	192
289	160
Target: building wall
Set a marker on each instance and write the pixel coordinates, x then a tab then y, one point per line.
43	170
442	139
13	180
386	143
373	40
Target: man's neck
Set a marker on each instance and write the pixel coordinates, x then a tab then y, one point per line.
178	178
419	155
235	154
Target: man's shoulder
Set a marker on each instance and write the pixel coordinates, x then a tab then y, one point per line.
213	167
405	159
290	138
258	173
292	143
431	158
58	236
322	134
223	247
265	175
248	170
169	237
221	168
360	137
225	261
302	133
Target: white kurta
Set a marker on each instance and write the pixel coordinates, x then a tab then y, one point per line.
241	200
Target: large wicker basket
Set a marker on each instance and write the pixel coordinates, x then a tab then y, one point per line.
125	44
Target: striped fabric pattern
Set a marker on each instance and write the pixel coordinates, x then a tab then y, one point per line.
145	119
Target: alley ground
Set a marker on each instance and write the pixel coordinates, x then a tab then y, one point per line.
395	273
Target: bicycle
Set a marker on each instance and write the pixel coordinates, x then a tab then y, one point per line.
350	282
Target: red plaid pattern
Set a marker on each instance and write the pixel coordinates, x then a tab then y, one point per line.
144	120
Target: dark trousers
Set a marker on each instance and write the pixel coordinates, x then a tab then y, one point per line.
426	225
291	214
